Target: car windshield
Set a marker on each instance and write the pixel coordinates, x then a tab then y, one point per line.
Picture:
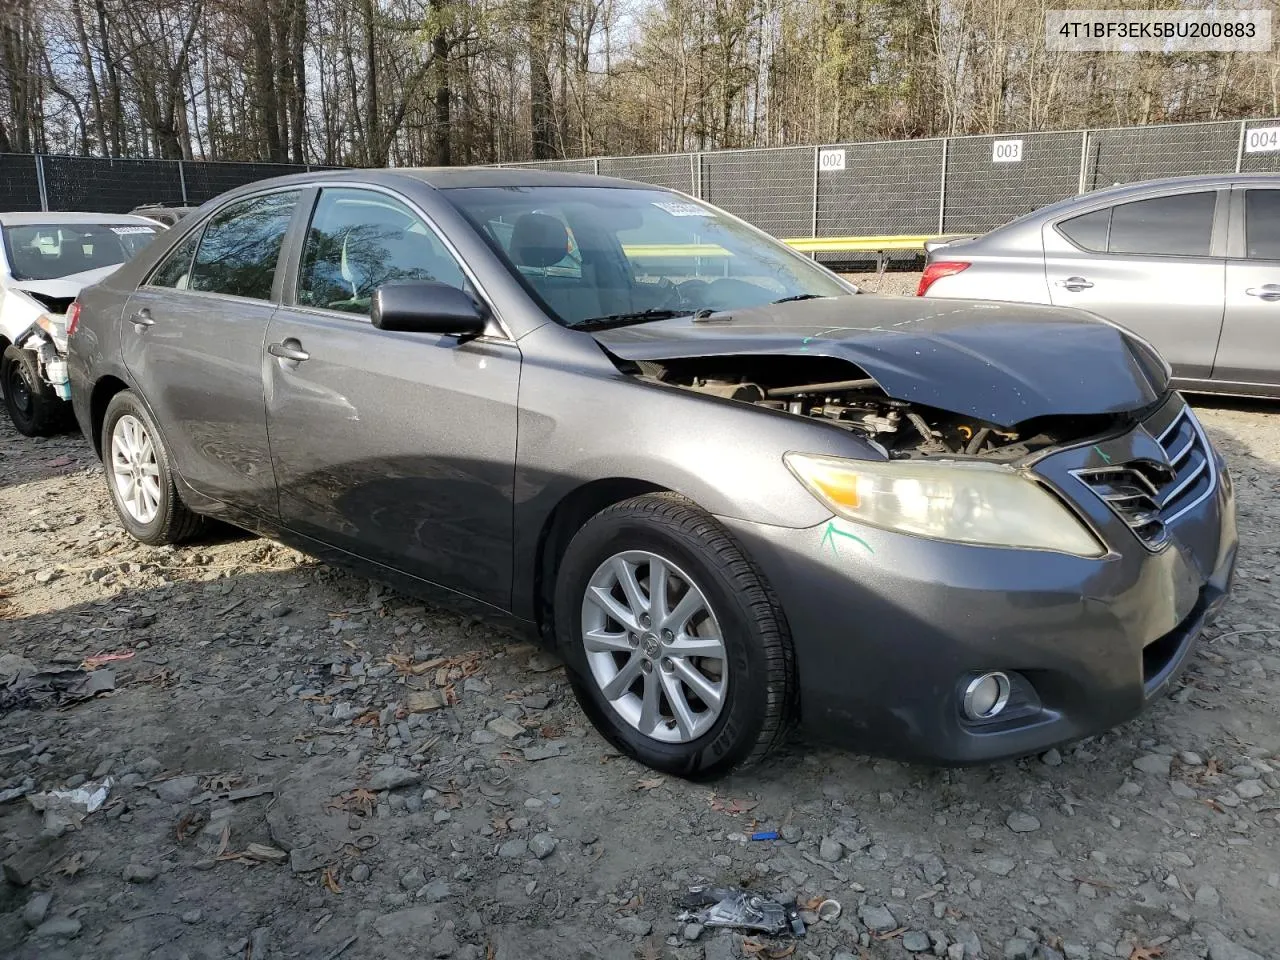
617	254
46	251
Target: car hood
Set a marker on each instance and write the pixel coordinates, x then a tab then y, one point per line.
1004	363
68	286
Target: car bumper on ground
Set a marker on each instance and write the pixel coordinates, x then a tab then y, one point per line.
890	629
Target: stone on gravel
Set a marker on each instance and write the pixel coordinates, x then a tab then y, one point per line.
1156	764
505	727
633	926
513	849
1207	896
410	922
393	778
916	941
435	891
877	919
360	873
37	908
692	931
1000	866
192	916
544	751
542	845
1016	949
1249	789
412	880
1220	948
58	927
1021	822
140	873
306	859
1051	757
177	790
830	849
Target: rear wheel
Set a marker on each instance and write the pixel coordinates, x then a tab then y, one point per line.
140	477
34	407
676	647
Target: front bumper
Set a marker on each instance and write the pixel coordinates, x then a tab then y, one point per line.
889	628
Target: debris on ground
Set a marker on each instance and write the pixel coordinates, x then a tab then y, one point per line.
742	909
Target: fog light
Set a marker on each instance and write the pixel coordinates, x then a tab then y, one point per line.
985	696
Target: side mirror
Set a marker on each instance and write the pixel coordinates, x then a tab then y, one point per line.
424	306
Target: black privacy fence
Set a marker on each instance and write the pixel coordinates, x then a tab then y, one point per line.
849	191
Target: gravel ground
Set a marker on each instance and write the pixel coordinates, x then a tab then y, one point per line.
306	765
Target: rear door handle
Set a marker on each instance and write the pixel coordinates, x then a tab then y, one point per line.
1075	284
1268	291
141	319
288	350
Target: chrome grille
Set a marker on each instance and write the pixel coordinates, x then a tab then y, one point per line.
1149	495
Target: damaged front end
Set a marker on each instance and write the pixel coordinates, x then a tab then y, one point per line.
46	339
837	392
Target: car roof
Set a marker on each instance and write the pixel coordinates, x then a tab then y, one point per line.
446	178
53	218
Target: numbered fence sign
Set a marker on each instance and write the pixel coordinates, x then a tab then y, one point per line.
829	160
1006	151
1262	140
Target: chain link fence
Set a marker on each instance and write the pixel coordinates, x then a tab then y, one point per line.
901	188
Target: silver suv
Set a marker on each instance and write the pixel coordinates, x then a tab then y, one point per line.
1191	263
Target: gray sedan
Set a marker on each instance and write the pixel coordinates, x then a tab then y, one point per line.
1192	264
730	492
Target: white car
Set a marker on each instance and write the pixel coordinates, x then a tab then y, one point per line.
45	261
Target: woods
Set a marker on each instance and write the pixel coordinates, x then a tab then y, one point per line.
372	82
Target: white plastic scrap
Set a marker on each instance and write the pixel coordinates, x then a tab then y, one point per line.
71	806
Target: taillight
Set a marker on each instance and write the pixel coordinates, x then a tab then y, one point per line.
73	317
936	271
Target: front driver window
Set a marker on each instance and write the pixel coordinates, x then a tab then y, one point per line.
359	240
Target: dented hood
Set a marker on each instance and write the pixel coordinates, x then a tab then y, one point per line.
1004	363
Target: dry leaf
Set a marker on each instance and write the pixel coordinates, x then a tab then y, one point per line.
359	801
650	950
891	934
501	825
551	732
650	783
753	948
733	807
1146	953
224	840
265	853
330	881
420	701
221	783
450	801
73	864
369	718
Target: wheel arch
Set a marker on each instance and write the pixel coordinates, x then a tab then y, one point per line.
568	516
99	399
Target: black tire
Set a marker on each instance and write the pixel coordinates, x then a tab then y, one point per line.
173	522
34	407
760	701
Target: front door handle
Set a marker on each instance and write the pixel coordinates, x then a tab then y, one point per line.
142	319
1268	291
1075	284
289	349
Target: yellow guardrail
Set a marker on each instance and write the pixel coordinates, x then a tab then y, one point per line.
803	244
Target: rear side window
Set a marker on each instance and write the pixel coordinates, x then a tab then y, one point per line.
1181	225
1089	230
241	244
175	270
1262	224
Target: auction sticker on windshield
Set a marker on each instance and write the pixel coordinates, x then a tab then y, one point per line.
124	231
680	209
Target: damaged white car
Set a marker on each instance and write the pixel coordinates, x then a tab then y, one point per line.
45	260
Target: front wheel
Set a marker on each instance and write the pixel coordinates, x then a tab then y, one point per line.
34	407
676	647
140	477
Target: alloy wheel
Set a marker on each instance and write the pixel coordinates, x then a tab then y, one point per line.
135	469
654	646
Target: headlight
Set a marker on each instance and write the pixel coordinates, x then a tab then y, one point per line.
981	503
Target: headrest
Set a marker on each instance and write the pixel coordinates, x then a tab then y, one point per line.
538	240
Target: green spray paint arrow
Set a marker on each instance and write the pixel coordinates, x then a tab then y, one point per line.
829	537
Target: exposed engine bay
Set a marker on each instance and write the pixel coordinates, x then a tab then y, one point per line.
836	392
